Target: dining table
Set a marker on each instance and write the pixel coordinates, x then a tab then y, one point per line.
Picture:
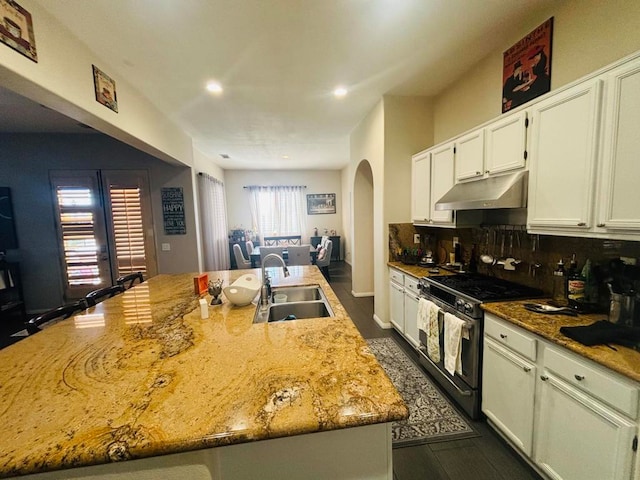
255	255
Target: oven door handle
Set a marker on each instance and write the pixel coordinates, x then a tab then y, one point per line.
464	393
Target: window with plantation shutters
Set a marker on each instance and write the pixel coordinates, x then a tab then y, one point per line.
78	228
105	227
128	229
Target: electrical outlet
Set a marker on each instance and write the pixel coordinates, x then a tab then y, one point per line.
416	238
166	247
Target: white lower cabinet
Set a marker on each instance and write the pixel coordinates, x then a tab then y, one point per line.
573	419
577	437
508	392
411	311
396	306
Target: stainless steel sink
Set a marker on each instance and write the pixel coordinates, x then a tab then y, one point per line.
308	301
306	293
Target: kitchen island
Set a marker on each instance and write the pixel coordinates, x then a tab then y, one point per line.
141	377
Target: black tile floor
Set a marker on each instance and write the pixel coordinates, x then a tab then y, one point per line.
478	458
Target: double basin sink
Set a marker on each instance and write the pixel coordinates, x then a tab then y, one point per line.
295	303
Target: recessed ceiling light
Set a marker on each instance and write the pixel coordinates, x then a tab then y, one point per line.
224	155
340	92
214	87
286	157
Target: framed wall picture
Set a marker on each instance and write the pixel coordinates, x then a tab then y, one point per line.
321	203
8	237
173	211
105	89
16	29
526	67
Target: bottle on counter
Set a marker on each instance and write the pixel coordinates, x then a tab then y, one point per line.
575	284
559	295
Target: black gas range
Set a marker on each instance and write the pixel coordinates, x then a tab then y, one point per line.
461	295
465	292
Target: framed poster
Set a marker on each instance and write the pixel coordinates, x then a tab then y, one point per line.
173	211
526	67
321	203
105	89
16	29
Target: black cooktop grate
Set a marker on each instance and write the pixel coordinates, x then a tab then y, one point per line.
484	288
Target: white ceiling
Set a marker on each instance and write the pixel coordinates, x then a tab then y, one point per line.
279	61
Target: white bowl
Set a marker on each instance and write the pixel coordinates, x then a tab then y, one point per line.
243	290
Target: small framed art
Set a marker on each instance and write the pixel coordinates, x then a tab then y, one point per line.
105	88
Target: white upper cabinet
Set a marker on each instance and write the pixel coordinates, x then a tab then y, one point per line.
421	188
563	159
469	153
441	181
620	195
495	149
506	144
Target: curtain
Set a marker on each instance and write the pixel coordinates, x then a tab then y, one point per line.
213	215
278	210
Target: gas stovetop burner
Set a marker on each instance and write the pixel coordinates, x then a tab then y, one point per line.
484	288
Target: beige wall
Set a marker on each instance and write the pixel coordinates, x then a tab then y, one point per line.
63	80
587	35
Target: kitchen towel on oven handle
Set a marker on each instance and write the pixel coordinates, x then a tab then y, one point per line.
453	343
427	319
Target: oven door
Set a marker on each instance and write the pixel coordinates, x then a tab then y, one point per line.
471	344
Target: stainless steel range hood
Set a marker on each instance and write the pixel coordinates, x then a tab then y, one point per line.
505	191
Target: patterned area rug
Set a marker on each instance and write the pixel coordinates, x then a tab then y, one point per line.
431	417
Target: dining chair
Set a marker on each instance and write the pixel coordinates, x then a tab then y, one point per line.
298	255
50	317
249	245
92	298
127	281
324	259
264	251
323	241
241	262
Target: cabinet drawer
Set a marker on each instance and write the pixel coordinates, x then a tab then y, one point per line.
596	381
411	284
511	337
396	276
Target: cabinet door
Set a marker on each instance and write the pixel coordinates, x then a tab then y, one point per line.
421	188
469	155
441	181
508	388
621	165
506	144
564	151
411	318
579	438
396	306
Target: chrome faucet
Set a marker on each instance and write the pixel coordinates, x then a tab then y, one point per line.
265	290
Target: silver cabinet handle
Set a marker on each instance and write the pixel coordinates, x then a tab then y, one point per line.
526	369
478	173
503	336
601	225
544	378
581	224
579	377
487	171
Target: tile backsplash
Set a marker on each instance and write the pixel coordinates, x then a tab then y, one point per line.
547	252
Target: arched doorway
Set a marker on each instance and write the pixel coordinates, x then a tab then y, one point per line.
362	274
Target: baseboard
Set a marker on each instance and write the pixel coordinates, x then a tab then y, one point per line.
362	294
382	324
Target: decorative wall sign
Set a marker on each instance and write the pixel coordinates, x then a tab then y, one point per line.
321	203
16	29
526	69
173	211
105	89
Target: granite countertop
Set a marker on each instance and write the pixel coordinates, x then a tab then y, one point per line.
141	374
623	360
418	271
